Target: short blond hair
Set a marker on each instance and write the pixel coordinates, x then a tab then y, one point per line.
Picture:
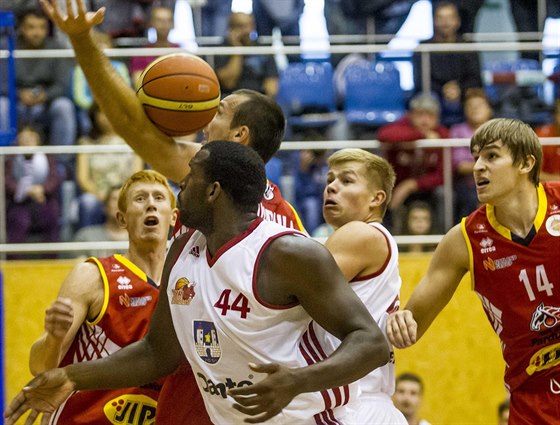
144	176
378	170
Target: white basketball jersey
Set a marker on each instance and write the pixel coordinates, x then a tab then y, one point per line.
380	293
222	326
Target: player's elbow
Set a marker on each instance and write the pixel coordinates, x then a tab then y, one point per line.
382	352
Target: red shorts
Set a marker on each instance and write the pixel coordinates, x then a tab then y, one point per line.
536	406
180	402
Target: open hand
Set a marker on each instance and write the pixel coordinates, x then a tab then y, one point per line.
268	397
43	394
73	24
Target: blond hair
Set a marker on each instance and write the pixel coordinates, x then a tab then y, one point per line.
378	170
144	176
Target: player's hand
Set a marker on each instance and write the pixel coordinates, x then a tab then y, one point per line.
43	394
73	24
401	329
59	317
268	397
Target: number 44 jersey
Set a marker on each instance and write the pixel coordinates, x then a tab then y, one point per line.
518	281
222	325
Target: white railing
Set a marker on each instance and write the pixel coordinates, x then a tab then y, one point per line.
445	144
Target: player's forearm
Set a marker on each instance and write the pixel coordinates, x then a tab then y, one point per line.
44	355
132	366
359	353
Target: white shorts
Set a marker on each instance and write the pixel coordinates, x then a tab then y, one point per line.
377	409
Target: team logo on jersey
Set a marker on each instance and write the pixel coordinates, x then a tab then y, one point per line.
124	283
480	228
545	316
195	251
543	359
131	409
219	388
501	263
116	268
553	225
269	192
554	386
127	301
183	292
206	341
487	245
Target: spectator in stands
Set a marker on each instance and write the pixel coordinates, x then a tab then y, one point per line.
409	391
418	222
42	84
255	72
161	20
32	192
551	154
81	93
451	73
283	14
96	174
419	171
128	18
526	17
477	111
109	230
214	16
468	10
309	186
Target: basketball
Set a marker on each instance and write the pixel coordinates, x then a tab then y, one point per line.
180	93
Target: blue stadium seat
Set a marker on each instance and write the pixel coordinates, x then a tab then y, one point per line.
373	94
306	94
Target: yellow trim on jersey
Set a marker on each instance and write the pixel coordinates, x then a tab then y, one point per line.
543	206
539	217
298	220
131	266
177	105
105	291
469	248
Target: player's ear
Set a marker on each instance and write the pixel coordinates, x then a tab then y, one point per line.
121	219
242	135
528	164
378	198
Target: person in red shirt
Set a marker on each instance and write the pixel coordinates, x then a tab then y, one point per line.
510	246
419	171
551	154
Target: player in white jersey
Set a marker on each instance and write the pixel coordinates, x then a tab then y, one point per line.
244	318
358	190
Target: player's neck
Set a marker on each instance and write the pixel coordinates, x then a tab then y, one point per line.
149	259
518	212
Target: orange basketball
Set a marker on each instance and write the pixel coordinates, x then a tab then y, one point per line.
180	93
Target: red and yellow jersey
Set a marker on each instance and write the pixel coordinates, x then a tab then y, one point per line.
130	298
518	282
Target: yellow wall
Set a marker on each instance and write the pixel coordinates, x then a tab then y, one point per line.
459	357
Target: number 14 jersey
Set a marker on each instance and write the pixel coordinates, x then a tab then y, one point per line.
518	282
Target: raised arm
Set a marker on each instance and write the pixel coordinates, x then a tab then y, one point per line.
449	264
155	356
303	270
80	297
117	99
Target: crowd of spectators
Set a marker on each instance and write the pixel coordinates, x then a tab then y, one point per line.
56	107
